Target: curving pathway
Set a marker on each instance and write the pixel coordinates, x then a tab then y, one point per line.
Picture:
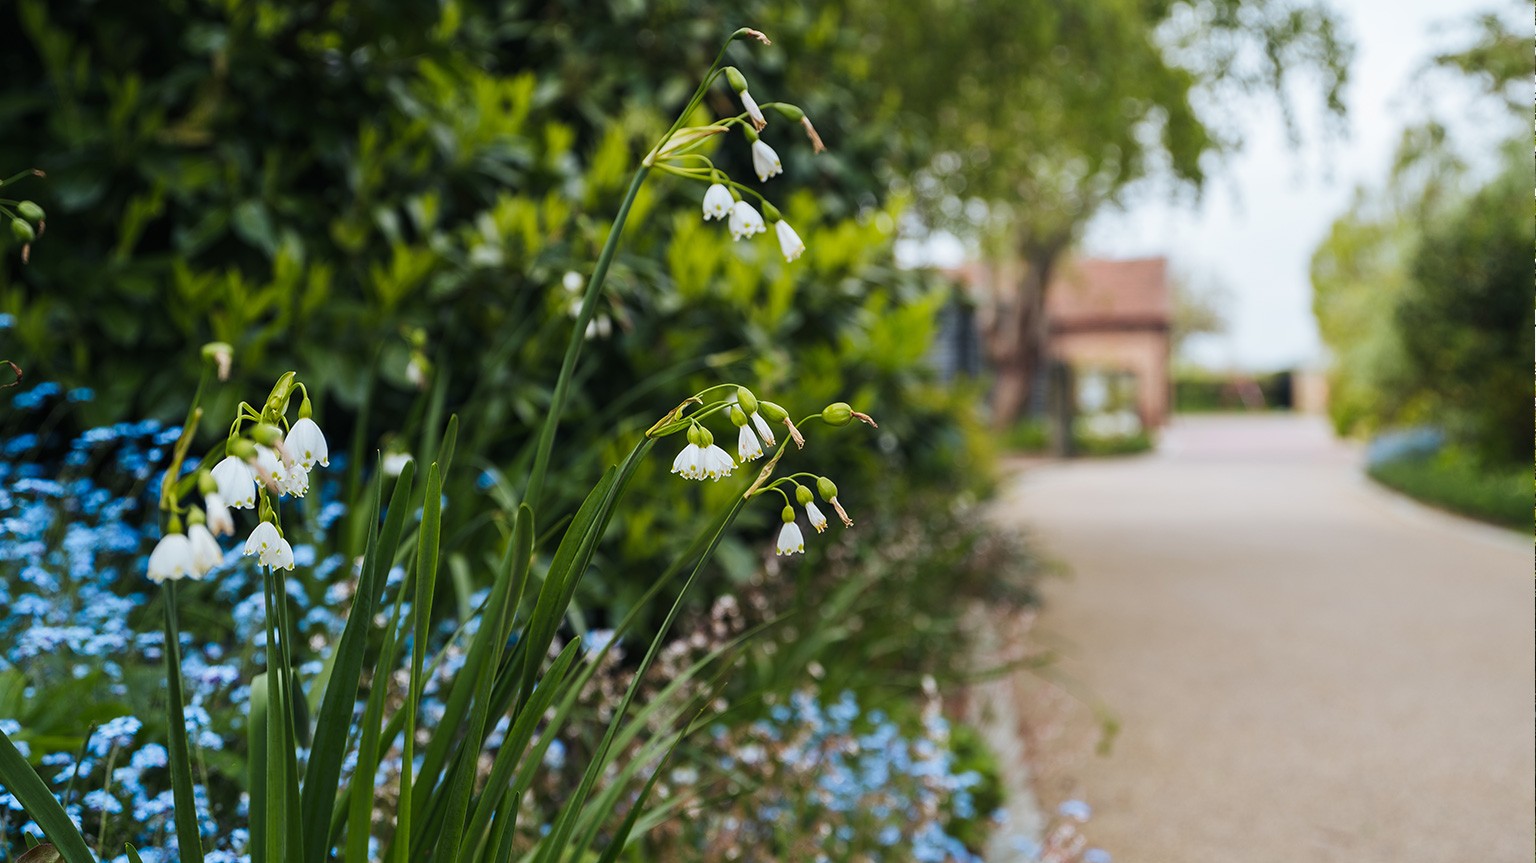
1303	667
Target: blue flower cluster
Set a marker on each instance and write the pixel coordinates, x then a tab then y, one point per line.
83	625
835	782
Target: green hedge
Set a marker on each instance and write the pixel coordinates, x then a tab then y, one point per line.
1452	480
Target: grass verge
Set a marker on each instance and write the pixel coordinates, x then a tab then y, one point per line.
1498	495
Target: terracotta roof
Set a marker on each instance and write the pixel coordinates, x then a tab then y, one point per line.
1094	293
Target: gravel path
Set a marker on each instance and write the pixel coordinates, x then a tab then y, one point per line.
1303	667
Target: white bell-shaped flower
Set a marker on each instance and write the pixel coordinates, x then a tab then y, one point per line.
764	430
269	547
717	462
717	202
306	444
747	445
172	558
789	241
236	482
689	463
791	540
756	113
281	556
745	221
206	553
817	520
765	161
701	459
220	522
295	480
268	468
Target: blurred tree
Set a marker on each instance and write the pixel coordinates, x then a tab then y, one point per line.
1465	315
1423	289
1042	113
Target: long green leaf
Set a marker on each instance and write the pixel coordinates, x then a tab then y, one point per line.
427	560
547	612
38	802
188	839
335	718
485	651
546	440
462	782
560	832
256	766
361	791
516	740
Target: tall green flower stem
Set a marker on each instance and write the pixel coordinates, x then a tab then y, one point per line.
578	338
188	840
546	439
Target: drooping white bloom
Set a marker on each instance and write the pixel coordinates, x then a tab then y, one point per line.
789	241
295	480
791	541
765	161
262	540
269	547
703	462
281	557
818	520
717	462
689	463
306	444
764	430
236	482
220	522
745	221
267	467
747	445
756	113
717	202
172	558
206	553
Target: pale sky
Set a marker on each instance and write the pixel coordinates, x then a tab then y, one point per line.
1269	206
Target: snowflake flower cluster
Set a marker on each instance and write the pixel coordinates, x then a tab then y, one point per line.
261	463
723	198
753	418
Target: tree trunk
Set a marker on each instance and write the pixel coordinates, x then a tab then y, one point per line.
1017	338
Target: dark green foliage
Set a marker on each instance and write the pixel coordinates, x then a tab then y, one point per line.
1465	318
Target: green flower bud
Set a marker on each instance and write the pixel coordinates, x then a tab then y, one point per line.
206	484
771	213
706	439
30	211
790	112
772	412
306	410
22	231
241	448
826	488
195	516
788	514
747	401
267	435
734	77
803	495
693	434
837	414
738	418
